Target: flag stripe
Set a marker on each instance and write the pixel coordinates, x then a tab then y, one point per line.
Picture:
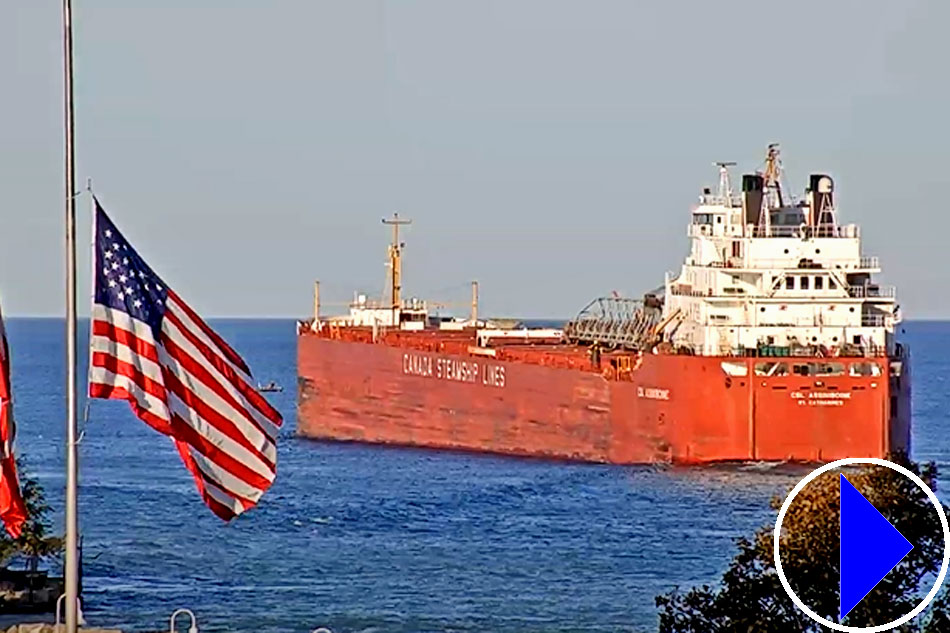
225	480
123	321
176	332
209	409
181	351
177	304
220	502
103	347
184	330
117	392
226	510
226	496
117	367
106	384
126	336
187	433
213	426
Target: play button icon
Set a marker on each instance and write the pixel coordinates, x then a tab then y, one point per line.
870	547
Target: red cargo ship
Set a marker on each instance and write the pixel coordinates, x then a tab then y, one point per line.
771	343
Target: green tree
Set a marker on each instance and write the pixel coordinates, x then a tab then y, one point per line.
34	543
750	597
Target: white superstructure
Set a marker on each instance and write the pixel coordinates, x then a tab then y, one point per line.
764	271
409	314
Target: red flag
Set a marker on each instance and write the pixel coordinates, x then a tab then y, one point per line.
12	510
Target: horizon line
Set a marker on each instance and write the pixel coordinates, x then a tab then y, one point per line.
278	317
248	317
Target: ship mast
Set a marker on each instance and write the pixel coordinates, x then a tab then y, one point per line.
772	189
395	261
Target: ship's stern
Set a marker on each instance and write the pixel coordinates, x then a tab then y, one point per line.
900	401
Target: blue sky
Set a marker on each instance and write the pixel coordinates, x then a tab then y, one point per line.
549	149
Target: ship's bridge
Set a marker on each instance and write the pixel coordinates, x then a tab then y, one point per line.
766	270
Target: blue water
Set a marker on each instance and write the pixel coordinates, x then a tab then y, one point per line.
362	538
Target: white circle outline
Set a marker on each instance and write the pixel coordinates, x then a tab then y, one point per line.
880	628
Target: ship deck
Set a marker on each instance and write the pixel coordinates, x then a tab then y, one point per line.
532	351
616	364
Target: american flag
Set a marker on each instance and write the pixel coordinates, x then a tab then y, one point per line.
179	376
12	509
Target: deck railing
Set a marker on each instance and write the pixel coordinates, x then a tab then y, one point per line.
842	231
790	263
866	350
872	291
715	200
873	320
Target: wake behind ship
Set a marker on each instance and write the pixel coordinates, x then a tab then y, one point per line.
773	342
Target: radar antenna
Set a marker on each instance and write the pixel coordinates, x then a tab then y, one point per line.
773	178
725	183
822	205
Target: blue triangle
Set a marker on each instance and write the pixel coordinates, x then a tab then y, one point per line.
870	547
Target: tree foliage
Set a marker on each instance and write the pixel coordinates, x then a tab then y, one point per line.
750	597
34	543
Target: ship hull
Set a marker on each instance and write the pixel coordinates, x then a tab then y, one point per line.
665	408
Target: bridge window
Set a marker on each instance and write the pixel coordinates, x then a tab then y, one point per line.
790	283
830	369
818	369
819	283
771	369
804	283
865	369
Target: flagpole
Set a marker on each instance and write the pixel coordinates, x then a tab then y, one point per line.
72	523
